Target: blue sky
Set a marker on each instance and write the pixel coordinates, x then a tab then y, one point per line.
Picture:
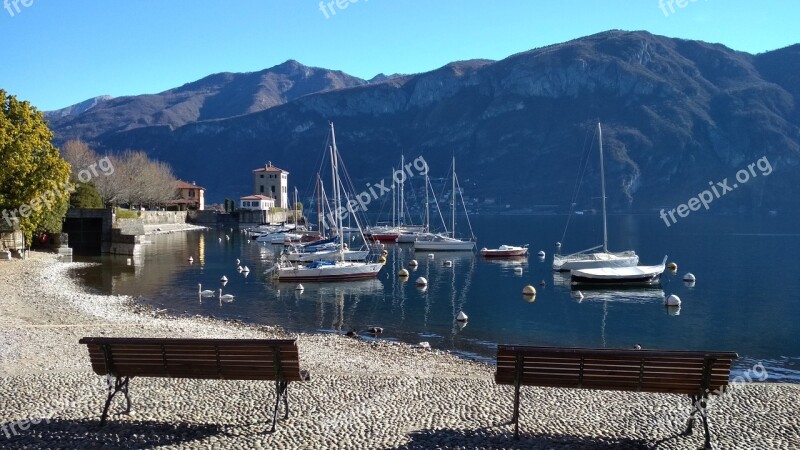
57	53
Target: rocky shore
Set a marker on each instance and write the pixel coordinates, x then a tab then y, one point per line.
362	394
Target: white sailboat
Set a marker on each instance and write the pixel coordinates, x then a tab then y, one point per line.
619	276
589	258
336	269
445	241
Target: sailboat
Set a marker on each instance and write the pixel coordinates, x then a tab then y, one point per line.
445	241
337	268
589	258
619	276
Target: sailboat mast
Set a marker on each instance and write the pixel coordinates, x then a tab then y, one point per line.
394	204
603	189
402	200
337	191
427	206
319	206
453	199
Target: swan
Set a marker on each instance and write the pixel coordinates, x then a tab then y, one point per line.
226	297
202	293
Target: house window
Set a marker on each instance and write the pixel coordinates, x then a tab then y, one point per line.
191	193
261	176
273	189
262	188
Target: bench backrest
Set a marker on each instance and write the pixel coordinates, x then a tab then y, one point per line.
677	372
226	359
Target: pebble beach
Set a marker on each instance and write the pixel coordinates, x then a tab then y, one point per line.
362	394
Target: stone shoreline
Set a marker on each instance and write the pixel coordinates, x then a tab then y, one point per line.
362	394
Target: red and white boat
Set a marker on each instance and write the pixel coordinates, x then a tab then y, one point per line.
504	251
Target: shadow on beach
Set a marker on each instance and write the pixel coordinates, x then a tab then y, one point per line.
499	438
62	433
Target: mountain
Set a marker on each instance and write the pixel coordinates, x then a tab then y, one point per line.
216	96
677	114
78	108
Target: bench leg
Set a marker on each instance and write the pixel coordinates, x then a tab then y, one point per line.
280	393
515	417
118	385
699	405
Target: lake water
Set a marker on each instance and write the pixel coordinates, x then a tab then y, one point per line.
745	298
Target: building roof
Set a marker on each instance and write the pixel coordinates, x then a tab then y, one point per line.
180	184
268	167
256	197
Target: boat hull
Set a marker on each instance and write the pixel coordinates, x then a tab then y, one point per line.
337	272
494	253
444	246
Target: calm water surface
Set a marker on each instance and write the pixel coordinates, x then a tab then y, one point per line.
745	298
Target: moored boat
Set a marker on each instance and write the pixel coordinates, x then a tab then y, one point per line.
619	276
504	251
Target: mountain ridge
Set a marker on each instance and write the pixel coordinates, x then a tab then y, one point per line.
674	111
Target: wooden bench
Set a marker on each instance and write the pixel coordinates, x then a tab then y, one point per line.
121	359
696	374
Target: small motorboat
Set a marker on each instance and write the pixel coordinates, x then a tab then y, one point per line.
505	251
619	276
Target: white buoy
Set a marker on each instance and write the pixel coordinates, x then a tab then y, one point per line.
448	263
238	262
529	290
239	269
223	279
461	317
518	270
689	277
430	255
129	261
541	253
403	273
672	266
245	269
190	259
421	281
413	263
673	300
299	287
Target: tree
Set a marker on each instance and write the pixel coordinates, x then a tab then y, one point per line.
34	179
86	196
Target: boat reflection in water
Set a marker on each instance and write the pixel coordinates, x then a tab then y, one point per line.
640	295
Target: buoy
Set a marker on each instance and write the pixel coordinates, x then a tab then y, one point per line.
461	317
689	277
673	300
223	279
672	266
129	261
190	259
413	263
448	263
529	290
421	281
403	273
518	270
245	269
375	330
299	287
430	255
227	237
541	254
238	262
239	269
